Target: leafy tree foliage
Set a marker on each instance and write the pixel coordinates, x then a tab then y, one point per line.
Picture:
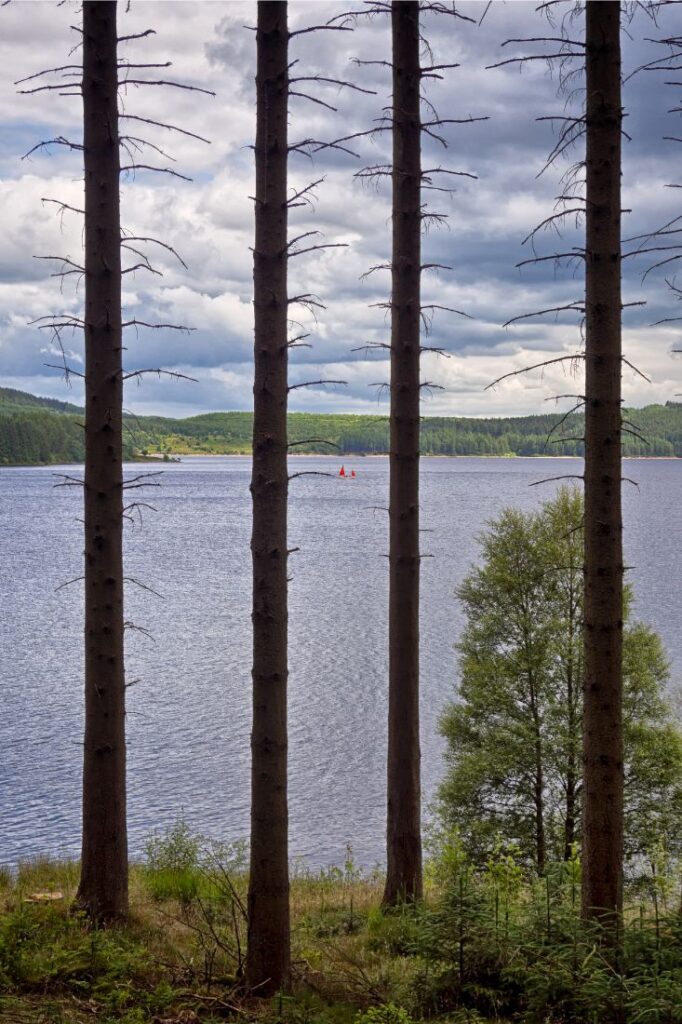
514	733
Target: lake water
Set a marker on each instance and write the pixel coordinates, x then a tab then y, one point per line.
189	710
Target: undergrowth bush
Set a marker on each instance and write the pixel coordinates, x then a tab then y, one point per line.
386	1013
172	866
202	886
45	950
505	946
489	943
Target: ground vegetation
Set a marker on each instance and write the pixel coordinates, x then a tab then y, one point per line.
490	942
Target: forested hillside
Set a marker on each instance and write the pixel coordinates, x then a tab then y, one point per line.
20	401
37	431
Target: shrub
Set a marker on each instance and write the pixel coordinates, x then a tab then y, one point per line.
387	1013
172	868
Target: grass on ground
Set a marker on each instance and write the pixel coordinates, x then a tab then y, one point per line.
487	945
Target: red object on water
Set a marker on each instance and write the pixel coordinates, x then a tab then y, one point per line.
342	471
352	472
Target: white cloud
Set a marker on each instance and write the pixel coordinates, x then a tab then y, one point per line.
209	222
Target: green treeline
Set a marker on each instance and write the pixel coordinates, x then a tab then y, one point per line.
37	431
39	438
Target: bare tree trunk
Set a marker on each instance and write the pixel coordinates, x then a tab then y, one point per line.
403	833
574	727
571	766
603	613
103	890
268	956
539	781
539	800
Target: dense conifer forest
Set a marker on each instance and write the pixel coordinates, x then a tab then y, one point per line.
43	431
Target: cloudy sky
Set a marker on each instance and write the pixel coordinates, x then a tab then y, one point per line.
210	219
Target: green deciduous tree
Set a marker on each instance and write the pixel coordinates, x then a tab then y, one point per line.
514	735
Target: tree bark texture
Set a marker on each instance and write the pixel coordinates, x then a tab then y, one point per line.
403	832
603	611
268	956
103	890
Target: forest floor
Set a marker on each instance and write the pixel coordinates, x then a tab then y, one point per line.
178	960
483	947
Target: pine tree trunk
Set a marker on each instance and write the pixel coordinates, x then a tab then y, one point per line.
268	956
603	613
103	890
403	833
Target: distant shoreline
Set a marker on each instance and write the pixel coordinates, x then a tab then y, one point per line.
175	459
384	455
33	432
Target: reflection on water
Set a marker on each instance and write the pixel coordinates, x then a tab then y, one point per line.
189	710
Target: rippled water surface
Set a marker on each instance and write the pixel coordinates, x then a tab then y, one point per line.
189	710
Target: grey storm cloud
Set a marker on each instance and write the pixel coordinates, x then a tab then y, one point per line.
209	221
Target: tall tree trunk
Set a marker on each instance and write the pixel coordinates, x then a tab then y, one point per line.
571	765
268	955
539	799
569	820
573	725
103	890
603	613
403	833
539	782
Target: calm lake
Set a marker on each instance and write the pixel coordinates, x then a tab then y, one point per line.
189	710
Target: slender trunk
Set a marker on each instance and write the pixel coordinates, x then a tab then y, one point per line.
540	844
571	764
573	735
403	834
603	614
103	890
570	819
268	956
539	786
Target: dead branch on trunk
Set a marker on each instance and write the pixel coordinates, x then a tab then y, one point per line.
553	479
598	57
572	307
312	440
575	359
410	117
165	126
160	372
314	383
102	892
